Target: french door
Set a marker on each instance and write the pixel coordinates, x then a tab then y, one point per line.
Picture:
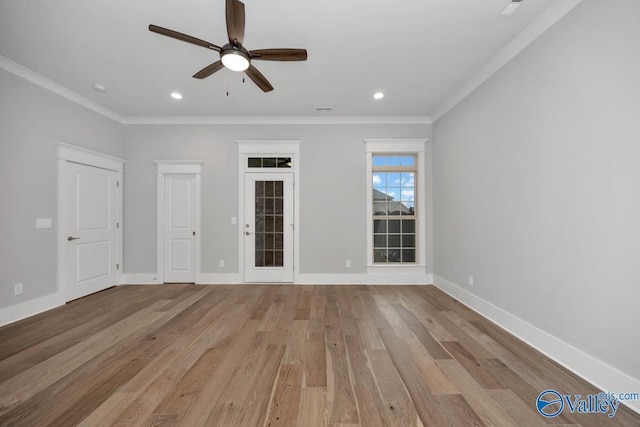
268	227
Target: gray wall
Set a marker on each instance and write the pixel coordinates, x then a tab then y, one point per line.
332	186
31	119
537	184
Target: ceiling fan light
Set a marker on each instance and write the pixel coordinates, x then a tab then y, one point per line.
234	60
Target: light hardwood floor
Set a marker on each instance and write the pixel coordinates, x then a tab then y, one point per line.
249	355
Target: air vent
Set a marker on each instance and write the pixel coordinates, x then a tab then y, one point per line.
324	109
511	7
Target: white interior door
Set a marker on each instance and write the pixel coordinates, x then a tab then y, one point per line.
180	228
268	227
90	216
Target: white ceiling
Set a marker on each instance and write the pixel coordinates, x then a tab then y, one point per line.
418	52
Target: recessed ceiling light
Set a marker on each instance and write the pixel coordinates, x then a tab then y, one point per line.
176	95
99	87
378	95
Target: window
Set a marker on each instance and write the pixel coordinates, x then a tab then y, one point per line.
269	162
396	203
393	180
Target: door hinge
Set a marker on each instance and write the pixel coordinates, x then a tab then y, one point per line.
117	225
118	184
117	266
194	233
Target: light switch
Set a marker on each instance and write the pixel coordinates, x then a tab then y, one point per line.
43	222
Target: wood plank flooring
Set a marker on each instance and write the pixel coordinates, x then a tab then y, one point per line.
276	355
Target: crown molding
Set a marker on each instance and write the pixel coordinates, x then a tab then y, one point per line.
276	120
40	80
50	85
545	21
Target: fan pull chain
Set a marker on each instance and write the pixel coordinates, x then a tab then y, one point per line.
227	88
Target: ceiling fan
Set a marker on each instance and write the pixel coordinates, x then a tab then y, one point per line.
234	55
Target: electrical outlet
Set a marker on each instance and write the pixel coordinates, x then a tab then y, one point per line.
17	289
348	263
470	280
221	263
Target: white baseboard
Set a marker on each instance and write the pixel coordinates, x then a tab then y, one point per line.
365	279
597	372
372	278
140	279
331	279
219	279
30	308
203	279
399	279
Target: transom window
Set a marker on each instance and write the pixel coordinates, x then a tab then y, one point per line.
393	179
269	162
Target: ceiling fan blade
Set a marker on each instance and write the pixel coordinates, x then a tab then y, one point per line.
208	70
185	38
258	78
235	22
279	54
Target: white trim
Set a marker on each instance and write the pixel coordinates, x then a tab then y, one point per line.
365	279
410	278
22	310
50	85
170	167
395	145
85	156
266	148
203	279
399	275
595	371
547	19
332	279
274	120
220	279
38	79
179	166
391	146
140	279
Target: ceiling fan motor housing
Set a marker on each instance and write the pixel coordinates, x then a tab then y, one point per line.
235	58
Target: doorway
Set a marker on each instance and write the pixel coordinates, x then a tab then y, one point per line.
268	227
89	218
178	224
269	211
179	228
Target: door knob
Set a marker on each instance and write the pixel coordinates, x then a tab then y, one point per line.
247	233
72	238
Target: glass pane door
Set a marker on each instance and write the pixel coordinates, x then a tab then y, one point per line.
269	224
268	229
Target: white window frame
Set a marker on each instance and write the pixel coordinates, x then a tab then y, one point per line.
415	147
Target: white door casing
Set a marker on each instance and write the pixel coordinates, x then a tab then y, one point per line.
178	218
269	227
179	228
265	149
89	221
